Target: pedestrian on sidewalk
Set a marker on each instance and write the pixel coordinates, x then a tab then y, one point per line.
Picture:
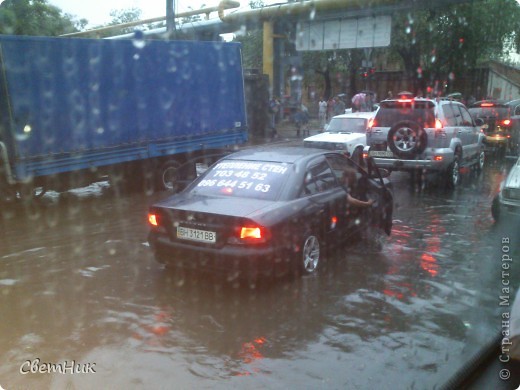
322	112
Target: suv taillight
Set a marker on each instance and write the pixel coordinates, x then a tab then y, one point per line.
506	122
439	129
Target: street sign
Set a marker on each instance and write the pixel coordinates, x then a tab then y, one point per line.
352	33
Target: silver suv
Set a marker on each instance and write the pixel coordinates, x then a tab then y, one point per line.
433	135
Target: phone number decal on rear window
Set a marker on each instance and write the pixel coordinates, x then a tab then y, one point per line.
245	176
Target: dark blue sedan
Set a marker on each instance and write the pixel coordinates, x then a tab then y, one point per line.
268	210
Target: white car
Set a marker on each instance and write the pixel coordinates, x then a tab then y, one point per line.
507	201
345	133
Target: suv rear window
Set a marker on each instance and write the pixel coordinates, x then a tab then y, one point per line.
244	179
393	111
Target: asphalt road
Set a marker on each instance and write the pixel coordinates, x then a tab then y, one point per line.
79	284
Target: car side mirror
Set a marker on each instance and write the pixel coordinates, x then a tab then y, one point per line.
479	122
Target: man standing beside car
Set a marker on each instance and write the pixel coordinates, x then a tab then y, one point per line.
349	181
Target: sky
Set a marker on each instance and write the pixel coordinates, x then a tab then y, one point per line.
97	12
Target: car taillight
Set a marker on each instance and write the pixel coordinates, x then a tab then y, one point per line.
487	105
371	123
506	122
153	220
250	232
438	124
253	234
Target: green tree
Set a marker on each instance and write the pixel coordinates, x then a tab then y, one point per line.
252	48
34	17
252	41
193	18
338	71
443	43
254	4
123	16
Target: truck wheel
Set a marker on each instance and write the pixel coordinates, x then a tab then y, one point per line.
169	177
28	192
407	139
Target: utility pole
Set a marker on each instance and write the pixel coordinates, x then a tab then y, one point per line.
170	18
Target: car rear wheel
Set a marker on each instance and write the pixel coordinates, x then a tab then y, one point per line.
481	161
453	174
310	254
407	139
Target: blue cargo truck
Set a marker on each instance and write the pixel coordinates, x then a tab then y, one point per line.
74	110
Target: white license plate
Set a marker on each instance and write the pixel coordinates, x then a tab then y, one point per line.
381	153
185	233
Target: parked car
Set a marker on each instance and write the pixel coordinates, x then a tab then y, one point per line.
433	135
267	211
507	201
345	133
501	124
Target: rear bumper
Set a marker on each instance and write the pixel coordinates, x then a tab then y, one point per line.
496	140
237	260
396	164
431	160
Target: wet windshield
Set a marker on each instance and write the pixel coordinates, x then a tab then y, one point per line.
347	125
402	277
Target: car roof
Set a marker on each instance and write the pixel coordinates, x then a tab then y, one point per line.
283	154
358	114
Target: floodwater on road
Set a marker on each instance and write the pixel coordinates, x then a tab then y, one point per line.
80	290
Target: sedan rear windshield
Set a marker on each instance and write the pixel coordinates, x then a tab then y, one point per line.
347	125
392	112
491	112
244	179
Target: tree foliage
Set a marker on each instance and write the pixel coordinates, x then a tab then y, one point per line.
432	44
443	43
252	48
120	17
192	18
35	17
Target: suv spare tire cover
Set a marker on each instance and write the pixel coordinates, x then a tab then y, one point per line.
407	139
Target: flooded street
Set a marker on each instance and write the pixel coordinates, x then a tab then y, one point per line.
79	284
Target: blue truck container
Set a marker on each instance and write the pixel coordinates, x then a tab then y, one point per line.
75	109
